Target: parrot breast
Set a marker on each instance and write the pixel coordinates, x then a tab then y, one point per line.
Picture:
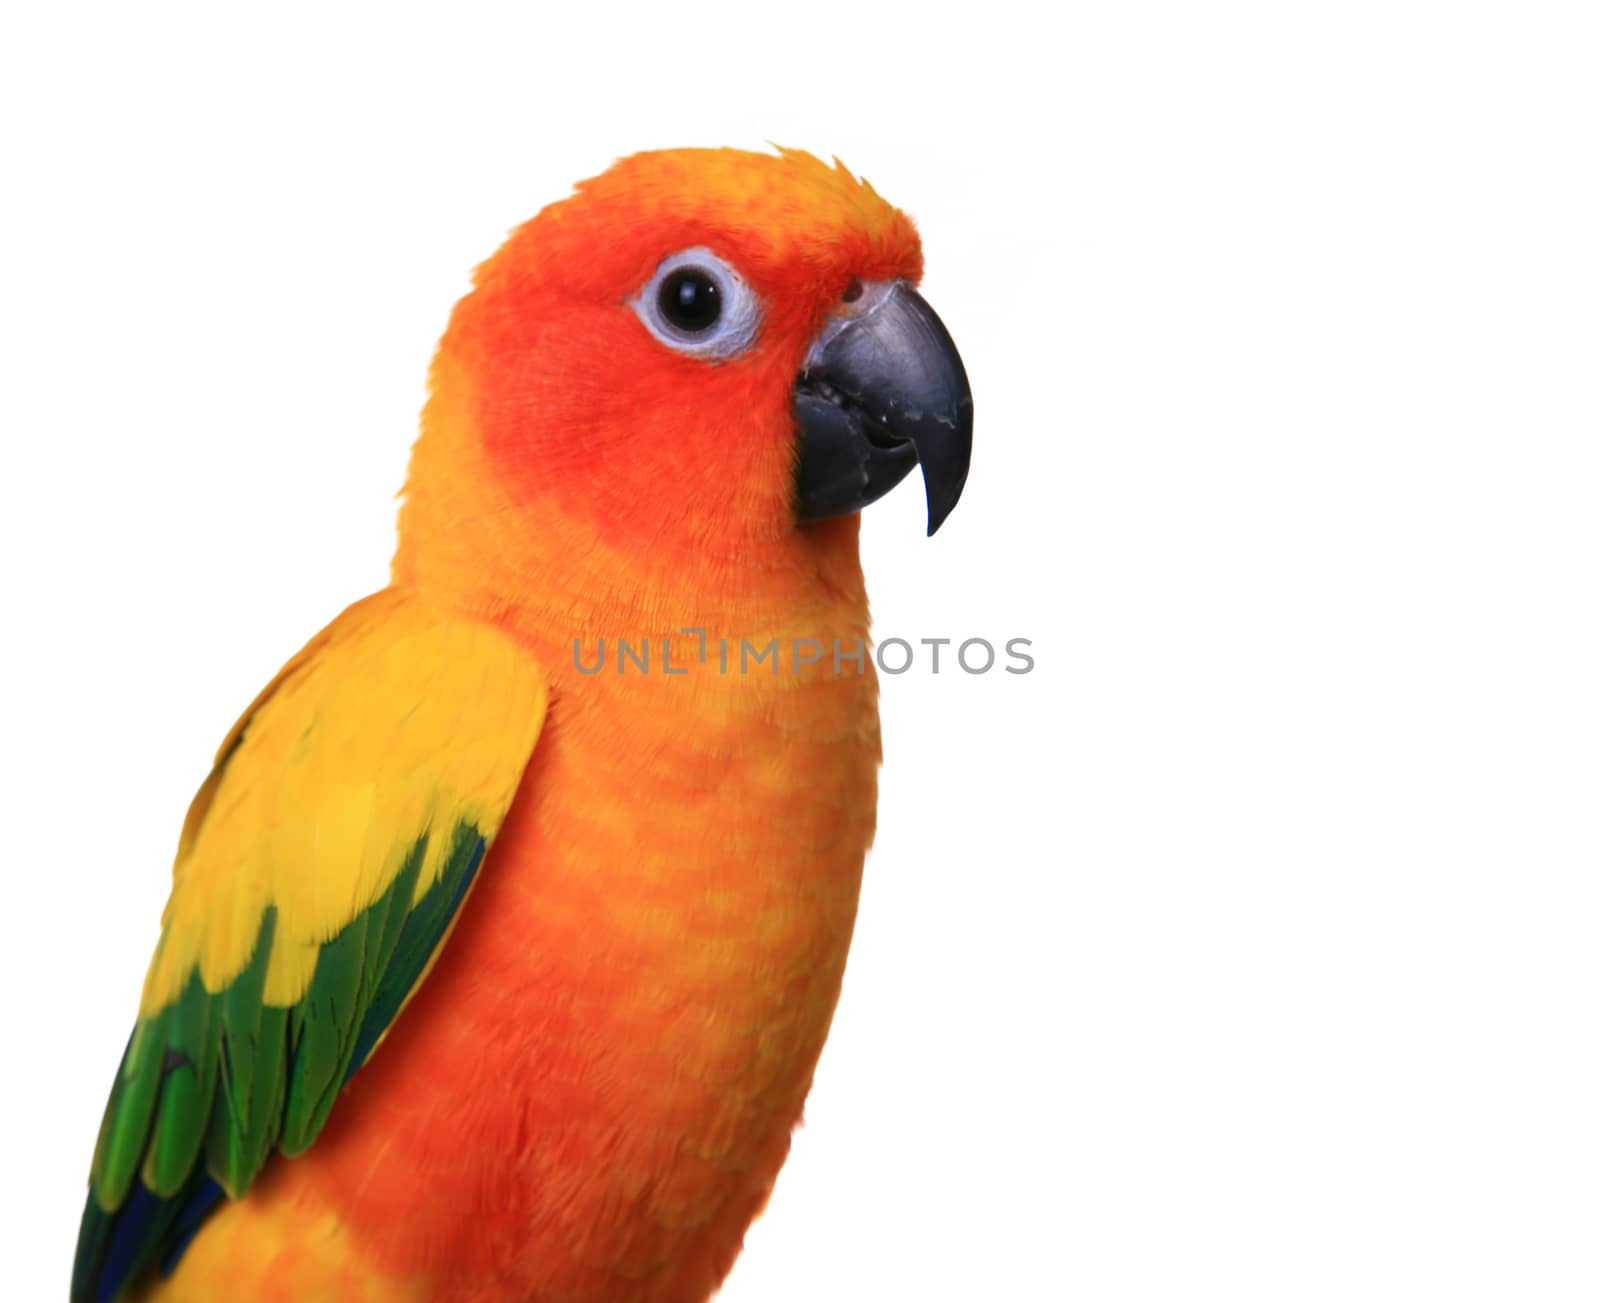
592	1094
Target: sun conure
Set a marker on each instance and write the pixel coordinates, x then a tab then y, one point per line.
506	931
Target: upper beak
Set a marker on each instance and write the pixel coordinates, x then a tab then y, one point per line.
882	390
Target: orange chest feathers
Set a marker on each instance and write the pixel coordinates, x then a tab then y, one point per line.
592	1094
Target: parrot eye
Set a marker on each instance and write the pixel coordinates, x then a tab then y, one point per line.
691	299
697	304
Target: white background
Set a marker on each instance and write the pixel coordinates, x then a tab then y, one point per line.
1244	950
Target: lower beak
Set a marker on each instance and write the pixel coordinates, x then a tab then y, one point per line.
882	390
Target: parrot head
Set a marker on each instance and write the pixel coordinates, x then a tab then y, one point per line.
704	349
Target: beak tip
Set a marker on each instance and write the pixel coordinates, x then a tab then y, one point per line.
944	469
938	513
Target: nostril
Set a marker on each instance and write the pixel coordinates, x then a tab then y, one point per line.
854	290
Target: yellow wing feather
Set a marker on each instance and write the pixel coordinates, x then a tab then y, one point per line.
396	720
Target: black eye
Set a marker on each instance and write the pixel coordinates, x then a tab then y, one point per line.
698	305
691	299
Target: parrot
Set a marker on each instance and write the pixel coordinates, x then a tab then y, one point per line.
494	968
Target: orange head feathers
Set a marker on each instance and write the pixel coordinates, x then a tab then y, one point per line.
580	401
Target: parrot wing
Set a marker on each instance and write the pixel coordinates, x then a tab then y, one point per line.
319	870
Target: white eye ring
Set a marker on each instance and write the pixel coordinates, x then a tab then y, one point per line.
735	325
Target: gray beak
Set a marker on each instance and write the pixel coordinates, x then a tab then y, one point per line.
882	390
